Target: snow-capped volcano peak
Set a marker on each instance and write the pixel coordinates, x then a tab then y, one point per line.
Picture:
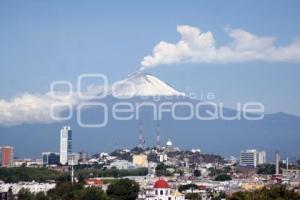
142	84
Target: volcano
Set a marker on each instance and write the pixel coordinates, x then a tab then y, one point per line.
143	84
275	131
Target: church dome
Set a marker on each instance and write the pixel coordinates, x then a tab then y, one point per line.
169	143
161	184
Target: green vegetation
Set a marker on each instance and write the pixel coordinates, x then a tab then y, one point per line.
123	189
121	155
222	177
86	173
92	194
25	194
161	170
187	187
65	191
266	169
40	196
277	193
269	169
213	171
109	181
220	174
16	174
193	196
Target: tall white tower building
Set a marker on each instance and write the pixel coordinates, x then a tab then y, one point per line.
261	157
277	160
65	144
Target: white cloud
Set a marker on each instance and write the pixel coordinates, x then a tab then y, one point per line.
43	108
29	108
200	47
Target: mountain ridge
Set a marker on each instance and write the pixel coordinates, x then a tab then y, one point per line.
274	131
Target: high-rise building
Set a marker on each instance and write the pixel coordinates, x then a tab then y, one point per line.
6	157
65	144
277	160
50	158
261	157
248	158
252	157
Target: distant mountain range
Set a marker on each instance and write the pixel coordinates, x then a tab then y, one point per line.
277	131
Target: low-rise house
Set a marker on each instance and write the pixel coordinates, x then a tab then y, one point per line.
31	186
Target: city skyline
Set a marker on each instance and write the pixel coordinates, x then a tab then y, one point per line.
248	157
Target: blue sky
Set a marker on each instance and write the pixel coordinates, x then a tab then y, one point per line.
43	41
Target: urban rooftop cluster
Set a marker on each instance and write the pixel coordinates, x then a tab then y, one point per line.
162	172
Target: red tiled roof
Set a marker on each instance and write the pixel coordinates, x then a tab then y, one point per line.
161	184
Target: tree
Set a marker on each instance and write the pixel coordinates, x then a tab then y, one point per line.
25	194
161	170
16	174
92	193
123	189
223	177
278	193
113	172
64	190
68	191
226	169
214	171
266	169
10	195
40	196
193	196
240	196
182	188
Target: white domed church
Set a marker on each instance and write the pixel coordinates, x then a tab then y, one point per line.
169	146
